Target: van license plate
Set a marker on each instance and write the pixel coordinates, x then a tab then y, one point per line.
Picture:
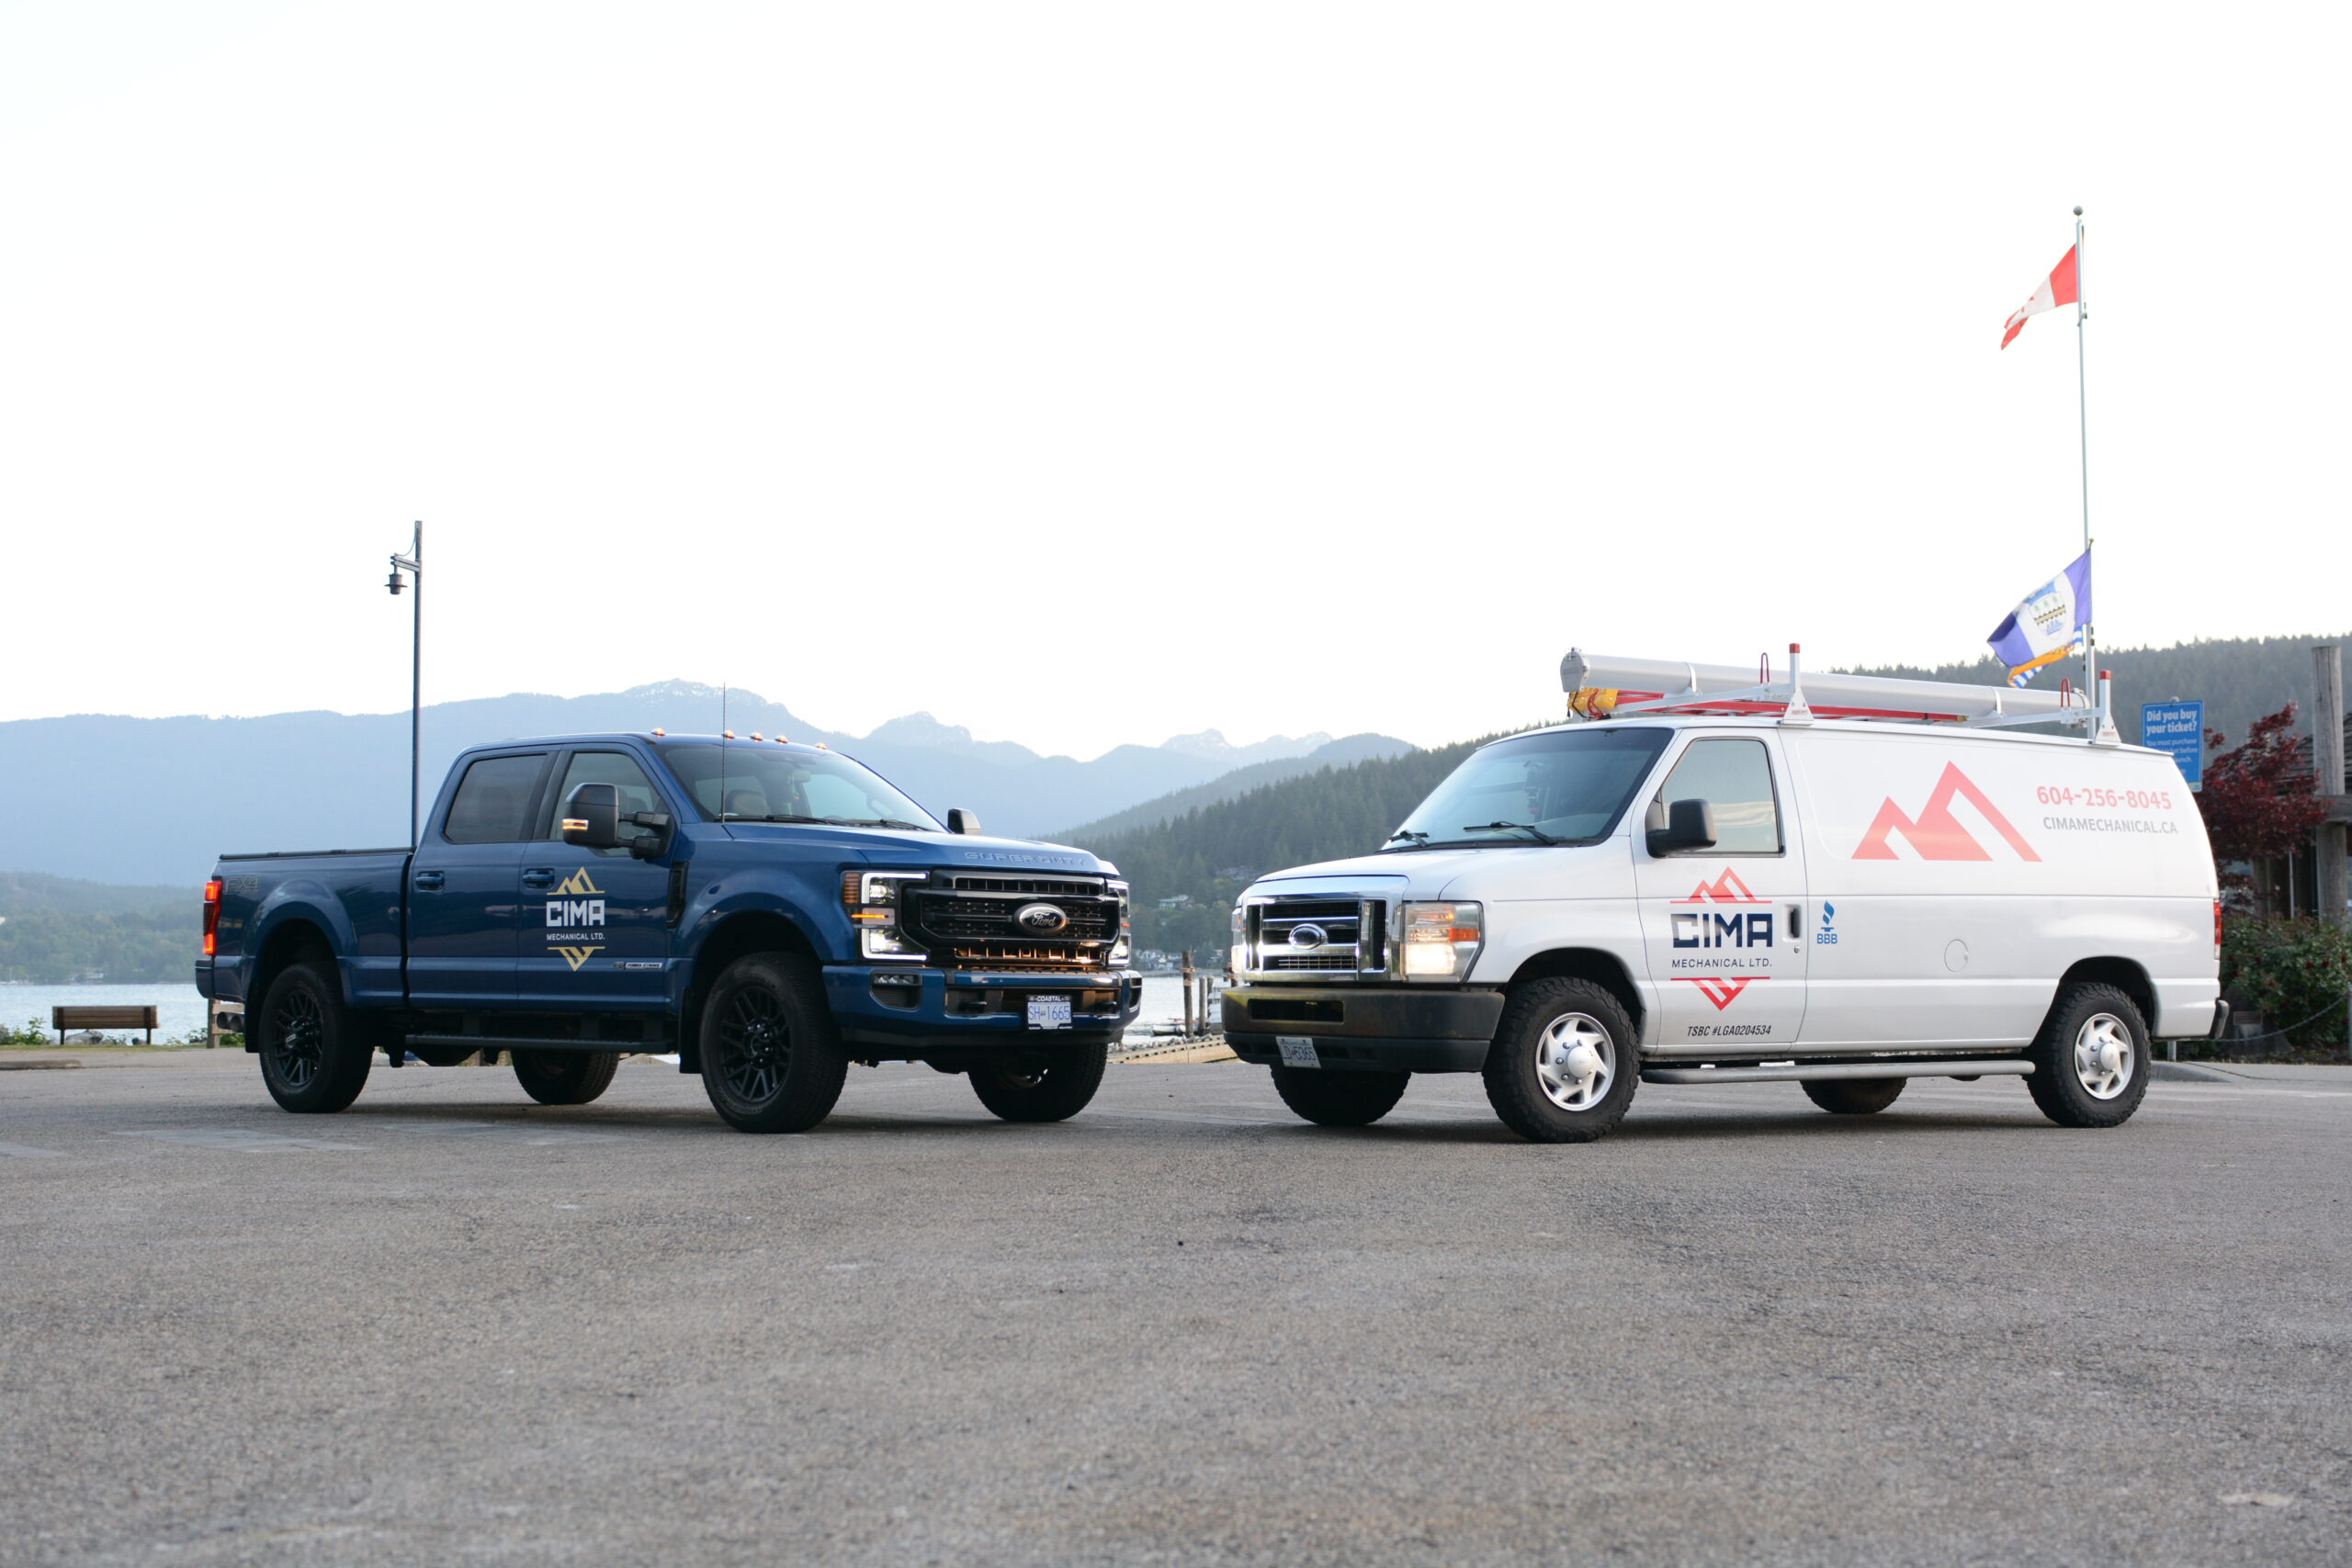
1297	1050
1049	1012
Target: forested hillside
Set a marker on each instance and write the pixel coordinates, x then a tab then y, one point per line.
1209	853
1336	753
54	930
2239	678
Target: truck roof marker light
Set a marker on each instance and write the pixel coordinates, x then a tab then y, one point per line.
660	733
727	734
782	741
755	735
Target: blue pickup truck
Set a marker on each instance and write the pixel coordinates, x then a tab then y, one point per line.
768	911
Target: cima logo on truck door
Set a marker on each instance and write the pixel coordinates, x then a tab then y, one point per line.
576	911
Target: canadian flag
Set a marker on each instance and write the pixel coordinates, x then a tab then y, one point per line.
2059	289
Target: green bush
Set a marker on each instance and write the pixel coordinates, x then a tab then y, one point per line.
2296	972
34	1033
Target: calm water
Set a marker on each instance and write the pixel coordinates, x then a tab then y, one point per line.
178	1008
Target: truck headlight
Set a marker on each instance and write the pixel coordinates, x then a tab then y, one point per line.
1123	949
1439	942
872	899
1239	958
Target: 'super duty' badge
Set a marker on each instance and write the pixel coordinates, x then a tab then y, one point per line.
1044	920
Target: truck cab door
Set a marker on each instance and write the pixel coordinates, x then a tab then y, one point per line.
464	886
594	929
1721	926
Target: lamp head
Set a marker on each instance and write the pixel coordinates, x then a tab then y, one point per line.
394	584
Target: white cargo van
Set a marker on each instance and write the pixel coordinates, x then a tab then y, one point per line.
1715	877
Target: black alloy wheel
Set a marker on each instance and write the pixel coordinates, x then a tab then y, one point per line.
314	1059
1042	1084
565	1078
772	1058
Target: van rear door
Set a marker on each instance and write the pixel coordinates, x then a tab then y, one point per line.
1721	925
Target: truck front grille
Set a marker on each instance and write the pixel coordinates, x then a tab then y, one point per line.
970	921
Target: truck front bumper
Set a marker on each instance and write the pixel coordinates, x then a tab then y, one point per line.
944	1011
1365	1028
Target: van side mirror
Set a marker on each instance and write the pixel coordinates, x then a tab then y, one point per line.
592	817
962	821
1688	825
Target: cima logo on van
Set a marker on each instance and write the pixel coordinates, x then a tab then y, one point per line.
1750	926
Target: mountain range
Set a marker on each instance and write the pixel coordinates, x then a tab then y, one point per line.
110	798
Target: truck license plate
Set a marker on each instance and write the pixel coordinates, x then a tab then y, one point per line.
1049	1012
1297	1050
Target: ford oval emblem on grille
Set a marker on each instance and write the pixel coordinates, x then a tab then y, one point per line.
1042	919
1307	936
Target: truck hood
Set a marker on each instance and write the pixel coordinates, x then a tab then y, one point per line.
889	846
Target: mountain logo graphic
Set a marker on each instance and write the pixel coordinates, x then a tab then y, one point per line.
577	885
576	957
1724	890
1935	833
1722	990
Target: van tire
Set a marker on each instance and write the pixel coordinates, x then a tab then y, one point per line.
2068	1069
1341	1098
1052	1084
772	1058
1852	1096
314	1055
565	1078
1541	1017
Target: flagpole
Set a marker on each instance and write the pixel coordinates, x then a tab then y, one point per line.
2083	413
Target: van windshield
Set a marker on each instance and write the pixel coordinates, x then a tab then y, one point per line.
1564	786
768	783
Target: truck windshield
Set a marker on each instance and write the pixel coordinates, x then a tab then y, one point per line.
1564	786
767	783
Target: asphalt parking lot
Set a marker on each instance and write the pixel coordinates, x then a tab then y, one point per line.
1183	1328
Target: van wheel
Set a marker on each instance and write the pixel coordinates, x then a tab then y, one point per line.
314	1058
1564	1064
565	1078
1339	1100
772	1058
2090	1062
1852	1096
1046	1085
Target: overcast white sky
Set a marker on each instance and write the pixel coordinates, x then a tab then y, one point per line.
1092	373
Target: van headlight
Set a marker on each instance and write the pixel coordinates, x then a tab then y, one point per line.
872	899
1438	941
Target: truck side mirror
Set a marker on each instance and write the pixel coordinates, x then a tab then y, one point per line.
962	821
592	817
650	845
1688	825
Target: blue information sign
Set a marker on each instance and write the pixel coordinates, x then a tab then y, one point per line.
2179	729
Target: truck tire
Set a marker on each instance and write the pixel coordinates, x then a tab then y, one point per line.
1339	1100
1532	1066
2090	1062
314	1057
772	1059
1852	1096
565	1078
1049	1084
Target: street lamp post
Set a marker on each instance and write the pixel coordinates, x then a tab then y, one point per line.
413	564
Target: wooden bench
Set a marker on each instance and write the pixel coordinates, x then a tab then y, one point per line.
63	1019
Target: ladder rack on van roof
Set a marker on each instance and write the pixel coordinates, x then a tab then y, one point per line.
1601	687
